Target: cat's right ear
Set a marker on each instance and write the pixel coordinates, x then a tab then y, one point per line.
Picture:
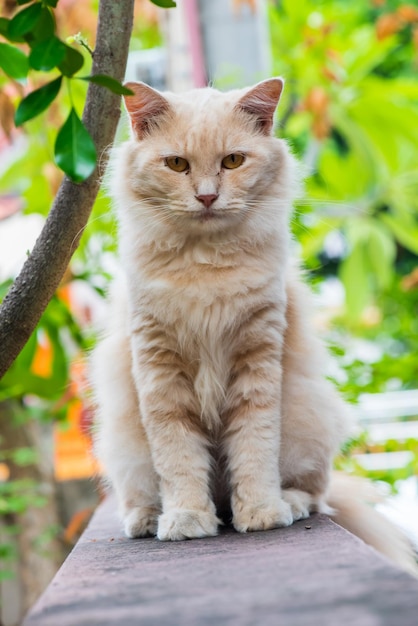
144	107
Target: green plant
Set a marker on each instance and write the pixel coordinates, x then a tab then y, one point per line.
34	28
351	112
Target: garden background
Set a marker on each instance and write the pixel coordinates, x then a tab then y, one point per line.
350	113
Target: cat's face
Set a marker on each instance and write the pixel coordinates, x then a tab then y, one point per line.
203	161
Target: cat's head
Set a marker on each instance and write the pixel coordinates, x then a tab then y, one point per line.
206	161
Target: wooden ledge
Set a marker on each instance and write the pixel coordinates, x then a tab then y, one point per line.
312	573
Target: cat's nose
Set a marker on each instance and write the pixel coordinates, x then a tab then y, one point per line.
207	199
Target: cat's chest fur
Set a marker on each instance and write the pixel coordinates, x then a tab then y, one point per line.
200	301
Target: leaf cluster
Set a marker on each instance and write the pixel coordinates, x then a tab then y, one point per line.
353	120
33	45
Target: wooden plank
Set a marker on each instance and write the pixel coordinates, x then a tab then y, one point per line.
313	572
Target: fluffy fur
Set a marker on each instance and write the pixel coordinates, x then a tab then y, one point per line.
212	400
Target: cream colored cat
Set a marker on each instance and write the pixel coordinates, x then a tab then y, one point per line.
210	381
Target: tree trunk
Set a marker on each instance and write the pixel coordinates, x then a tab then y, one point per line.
44	268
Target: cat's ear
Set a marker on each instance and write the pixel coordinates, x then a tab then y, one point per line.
145	106
261	102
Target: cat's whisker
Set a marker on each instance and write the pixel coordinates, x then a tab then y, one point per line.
86	226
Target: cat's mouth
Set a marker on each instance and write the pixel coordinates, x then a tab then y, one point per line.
207	214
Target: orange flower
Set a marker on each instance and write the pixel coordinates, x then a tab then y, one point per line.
388	25
316	101
408	13
410	281
42	361
321	127
330	74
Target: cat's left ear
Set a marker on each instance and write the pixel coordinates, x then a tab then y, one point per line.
261	102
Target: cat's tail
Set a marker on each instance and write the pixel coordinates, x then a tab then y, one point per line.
351	498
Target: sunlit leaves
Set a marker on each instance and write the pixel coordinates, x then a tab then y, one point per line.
75	152
13	61
363	186
37	101
405	230
369	262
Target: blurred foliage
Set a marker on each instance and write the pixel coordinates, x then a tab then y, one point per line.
354	121
350	111
349	459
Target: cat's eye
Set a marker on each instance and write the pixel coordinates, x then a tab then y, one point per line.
232	161
178	164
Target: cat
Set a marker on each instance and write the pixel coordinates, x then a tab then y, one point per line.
212	402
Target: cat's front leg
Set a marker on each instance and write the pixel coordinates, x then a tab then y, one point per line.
182	461
252	436
178	446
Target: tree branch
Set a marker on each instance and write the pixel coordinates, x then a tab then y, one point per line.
44	268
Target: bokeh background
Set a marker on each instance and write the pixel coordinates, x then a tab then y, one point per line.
350	113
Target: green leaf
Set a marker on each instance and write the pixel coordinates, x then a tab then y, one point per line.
51	3
75	152
13	61
72	62
25	20
354	275
110	83
21	378
44	28
47	54
20	2
37	101
28	353
4	26
165	4
4	31
405	233
382	252
25	456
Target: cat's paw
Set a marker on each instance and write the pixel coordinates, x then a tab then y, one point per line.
139	522
301	503
262	516
179	524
